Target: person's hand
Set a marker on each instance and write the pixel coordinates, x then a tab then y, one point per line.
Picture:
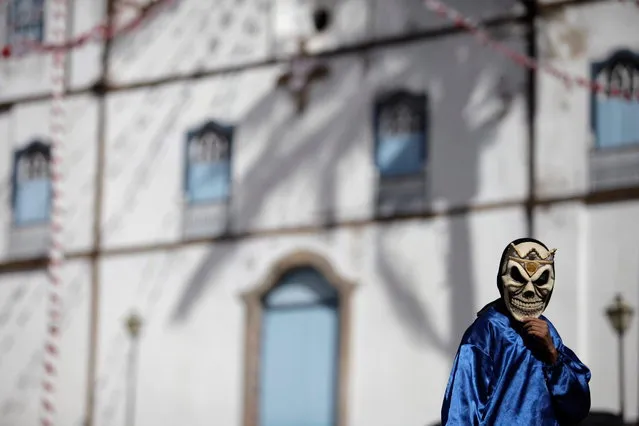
538	330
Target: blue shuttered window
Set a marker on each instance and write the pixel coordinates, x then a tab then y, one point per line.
208	169
25	21
615	120
33	202
208	181
31	185
299	358
400	133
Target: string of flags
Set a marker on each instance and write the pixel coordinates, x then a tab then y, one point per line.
100	32
484	38
57	119
56	249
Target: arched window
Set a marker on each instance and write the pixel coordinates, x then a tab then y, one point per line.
400	134
25	21
32	184
208	168
615	119
298	327
299	354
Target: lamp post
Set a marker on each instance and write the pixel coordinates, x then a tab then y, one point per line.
619	314
133	325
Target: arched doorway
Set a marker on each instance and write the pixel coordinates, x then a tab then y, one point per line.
297	345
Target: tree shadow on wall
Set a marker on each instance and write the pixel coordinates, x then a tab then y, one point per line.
453	142
331	136
199	35
457	138
15	402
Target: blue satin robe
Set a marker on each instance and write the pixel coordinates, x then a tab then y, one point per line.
497	380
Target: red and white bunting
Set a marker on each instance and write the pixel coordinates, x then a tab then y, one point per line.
484	38
56	251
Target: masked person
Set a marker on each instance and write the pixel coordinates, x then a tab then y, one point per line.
512	367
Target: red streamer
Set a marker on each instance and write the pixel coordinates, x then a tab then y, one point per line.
97	33
523	60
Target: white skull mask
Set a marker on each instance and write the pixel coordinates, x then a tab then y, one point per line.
527	276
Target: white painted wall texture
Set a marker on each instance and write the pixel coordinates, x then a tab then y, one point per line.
27	122
22	331
294	170
597	255
419	281
572	39
408	315
28	75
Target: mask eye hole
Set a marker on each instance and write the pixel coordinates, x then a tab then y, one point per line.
543	278
516	275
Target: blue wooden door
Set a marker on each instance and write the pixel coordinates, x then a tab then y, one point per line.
299	352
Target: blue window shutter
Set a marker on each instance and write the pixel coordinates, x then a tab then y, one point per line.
208	181
26	20
617	122
401	124
208	173
32	202
299	354
400	154
630	124
607	123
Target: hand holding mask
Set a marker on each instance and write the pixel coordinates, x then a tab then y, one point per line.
537	329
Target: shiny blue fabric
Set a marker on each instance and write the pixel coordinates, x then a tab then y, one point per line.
497	380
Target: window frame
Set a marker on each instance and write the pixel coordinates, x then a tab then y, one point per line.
254	311
220	129
417	102
14	36
35	146
618	56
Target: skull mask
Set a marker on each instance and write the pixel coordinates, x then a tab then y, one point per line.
526	278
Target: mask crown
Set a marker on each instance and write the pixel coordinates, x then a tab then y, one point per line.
532	255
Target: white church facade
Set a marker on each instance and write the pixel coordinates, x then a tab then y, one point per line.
308	251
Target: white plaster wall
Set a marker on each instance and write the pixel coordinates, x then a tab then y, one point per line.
421	284
191	36
85	62
19	127
571	40
23	303
196	36
612	268
29	74
478	138
410	16
292	170
408	315
565	227
358	21
188	373
145	148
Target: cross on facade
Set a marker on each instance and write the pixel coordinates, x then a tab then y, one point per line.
303	71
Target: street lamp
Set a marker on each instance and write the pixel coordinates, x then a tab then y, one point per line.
619	314
133	325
